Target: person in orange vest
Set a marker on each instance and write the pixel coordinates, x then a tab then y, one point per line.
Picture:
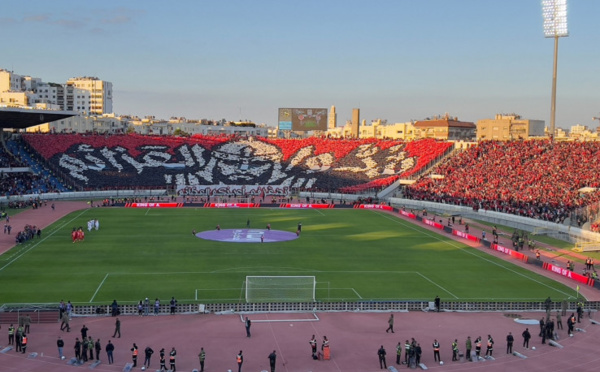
24	343
537	254
134	354
172	359
325	348
478	347
240	360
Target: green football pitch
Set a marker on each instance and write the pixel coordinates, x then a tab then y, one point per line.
355	255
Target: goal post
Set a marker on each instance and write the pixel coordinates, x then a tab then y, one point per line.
280	288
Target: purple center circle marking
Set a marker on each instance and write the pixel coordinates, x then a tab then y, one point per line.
247	235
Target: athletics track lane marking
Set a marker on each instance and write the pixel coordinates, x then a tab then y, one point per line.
43	239
450	243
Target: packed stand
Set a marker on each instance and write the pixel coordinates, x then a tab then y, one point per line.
23	183
135	161
538	179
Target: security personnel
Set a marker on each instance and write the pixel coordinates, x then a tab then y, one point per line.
406	351
11	335
24	343
398	352
436	351
509	343
240	360
77	349
381	353
134	354
478	347
313	346
202	357
468	347
490	346
172	359
455	350
162	360
18	337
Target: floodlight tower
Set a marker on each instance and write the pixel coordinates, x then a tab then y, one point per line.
555	26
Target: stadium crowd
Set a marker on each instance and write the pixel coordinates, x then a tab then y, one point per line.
537	179
133	161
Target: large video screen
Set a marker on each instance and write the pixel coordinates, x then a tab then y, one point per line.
303	119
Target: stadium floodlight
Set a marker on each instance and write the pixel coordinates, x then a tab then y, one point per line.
555	18
555	26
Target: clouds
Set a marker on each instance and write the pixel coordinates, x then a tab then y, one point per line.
84	19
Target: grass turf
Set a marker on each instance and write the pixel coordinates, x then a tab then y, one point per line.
354	254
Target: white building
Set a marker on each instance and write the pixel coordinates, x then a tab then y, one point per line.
10	82
97	100
107	123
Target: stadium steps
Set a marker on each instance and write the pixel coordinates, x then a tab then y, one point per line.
35	166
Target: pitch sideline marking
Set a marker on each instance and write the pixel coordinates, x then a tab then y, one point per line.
451	243
99	286
437	285
43	239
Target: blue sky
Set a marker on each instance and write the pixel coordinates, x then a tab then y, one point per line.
396	60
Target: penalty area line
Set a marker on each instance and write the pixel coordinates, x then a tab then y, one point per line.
99	286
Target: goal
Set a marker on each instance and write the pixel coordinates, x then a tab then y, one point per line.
280	288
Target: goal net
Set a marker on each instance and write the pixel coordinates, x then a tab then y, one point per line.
280	288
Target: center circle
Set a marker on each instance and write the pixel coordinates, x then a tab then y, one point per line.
247	235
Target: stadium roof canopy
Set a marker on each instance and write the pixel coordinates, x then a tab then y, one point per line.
24	117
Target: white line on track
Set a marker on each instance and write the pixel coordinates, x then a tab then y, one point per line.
277	345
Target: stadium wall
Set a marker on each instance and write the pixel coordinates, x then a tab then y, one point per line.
85	195
49	312
555	230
